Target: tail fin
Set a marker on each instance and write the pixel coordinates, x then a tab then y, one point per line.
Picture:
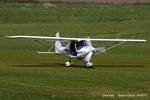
57	44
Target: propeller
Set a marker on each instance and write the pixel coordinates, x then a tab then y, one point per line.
101	49
89	43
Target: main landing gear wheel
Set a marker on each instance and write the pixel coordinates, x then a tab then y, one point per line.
89	65
67	64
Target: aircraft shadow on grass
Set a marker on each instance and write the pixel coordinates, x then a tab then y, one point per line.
81	66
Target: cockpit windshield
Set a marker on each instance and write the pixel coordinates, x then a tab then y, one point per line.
80	44
76	46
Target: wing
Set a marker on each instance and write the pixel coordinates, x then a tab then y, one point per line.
73	39
43	38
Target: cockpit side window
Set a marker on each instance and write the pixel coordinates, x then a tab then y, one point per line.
73	48
80	44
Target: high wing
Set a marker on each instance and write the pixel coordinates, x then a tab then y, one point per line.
73	39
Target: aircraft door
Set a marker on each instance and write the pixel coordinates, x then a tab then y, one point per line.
73	48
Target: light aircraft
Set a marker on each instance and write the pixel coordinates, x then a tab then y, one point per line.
80	48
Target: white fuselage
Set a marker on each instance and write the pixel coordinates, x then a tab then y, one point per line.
80	53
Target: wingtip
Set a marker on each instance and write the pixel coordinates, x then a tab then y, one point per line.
144	40
6	36
11	37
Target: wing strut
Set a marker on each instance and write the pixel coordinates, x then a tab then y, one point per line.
44	43
115	45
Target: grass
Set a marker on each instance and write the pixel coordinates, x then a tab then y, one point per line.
24	74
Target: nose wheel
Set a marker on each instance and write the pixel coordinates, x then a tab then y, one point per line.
89	65
67	64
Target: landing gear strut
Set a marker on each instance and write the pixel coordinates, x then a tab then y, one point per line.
87	59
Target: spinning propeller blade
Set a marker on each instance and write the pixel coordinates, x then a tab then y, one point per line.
89	43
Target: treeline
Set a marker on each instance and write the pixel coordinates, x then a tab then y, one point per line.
86	1
17	1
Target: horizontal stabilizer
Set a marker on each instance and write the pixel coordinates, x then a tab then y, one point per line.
49	52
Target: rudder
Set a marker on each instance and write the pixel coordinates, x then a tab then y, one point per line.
57	43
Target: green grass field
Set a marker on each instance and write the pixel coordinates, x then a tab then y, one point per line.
26	75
